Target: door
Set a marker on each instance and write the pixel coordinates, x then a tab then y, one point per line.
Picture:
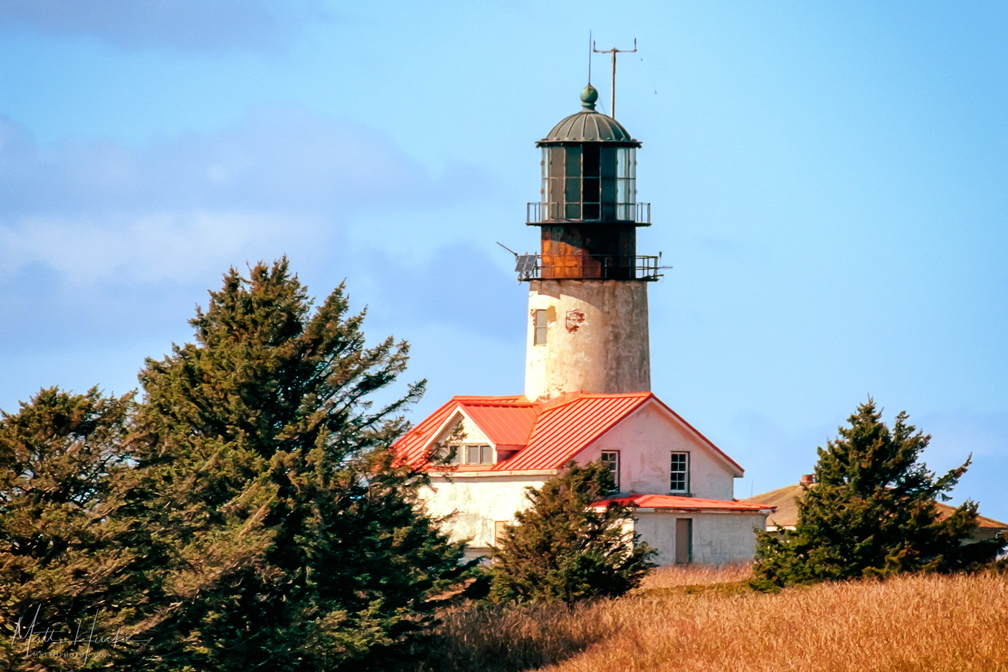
683	541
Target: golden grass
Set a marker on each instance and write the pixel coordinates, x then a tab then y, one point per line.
905	624
690	576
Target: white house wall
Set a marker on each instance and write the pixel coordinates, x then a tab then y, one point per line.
718	538
477	502
646	441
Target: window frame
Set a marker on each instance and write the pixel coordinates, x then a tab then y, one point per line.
500	526
540	324
589	182
614	466
481	448
683	472
455	451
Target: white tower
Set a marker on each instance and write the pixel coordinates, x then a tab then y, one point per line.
588	313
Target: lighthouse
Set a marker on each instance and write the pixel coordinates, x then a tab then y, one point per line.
587	394
587	309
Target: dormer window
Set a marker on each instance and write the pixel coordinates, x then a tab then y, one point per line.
449	454
479	453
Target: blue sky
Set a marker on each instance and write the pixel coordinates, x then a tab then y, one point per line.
827	181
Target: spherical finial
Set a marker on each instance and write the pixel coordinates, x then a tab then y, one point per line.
589	95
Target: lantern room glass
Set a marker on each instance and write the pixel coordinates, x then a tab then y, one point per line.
589	182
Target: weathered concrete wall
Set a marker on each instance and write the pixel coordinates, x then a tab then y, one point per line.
721	538
658	530
718	538
478	501
596	338
646	441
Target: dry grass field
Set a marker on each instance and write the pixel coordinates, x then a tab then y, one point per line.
676	577
707	620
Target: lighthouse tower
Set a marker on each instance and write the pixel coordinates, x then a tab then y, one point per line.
588	310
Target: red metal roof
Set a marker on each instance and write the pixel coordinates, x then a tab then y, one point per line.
672	502
413	447
508	425
545	435
565	429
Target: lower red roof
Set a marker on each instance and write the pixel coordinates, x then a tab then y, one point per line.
673	502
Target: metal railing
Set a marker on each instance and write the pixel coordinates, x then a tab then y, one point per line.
542	213
587	267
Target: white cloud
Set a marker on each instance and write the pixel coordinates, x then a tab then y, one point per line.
177	247
281	157
279	181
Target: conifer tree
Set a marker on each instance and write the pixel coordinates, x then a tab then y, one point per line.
871	511
62	552
297	542
563	549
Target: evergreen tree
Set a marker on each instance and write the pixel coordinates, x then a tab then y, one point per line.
564	549
296	541
871	511
62	557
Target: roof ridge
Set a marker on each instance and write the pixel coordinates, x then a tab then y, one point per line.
571	398
612	395
514	399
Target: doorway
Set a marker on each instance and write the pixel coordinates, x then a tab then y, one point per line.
683	541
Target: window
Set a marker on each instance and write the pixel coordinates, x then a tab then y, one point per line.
553	182
479	454
500	526
539	326
452	454
590	182
572	186
680	472
626	193
610	458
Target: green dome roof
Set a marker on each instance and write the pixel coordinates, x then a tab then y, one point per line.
588	125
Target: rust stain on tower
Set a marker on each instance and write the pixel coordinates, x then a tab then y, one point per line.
575	318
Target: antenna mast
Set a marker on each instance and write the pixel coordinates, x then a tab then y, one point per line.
613	51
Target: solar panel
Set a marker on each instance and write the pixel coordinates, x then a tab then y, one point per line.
526	264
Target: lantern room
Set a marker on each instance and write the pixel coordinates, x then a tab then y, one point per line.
588	211
589	168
